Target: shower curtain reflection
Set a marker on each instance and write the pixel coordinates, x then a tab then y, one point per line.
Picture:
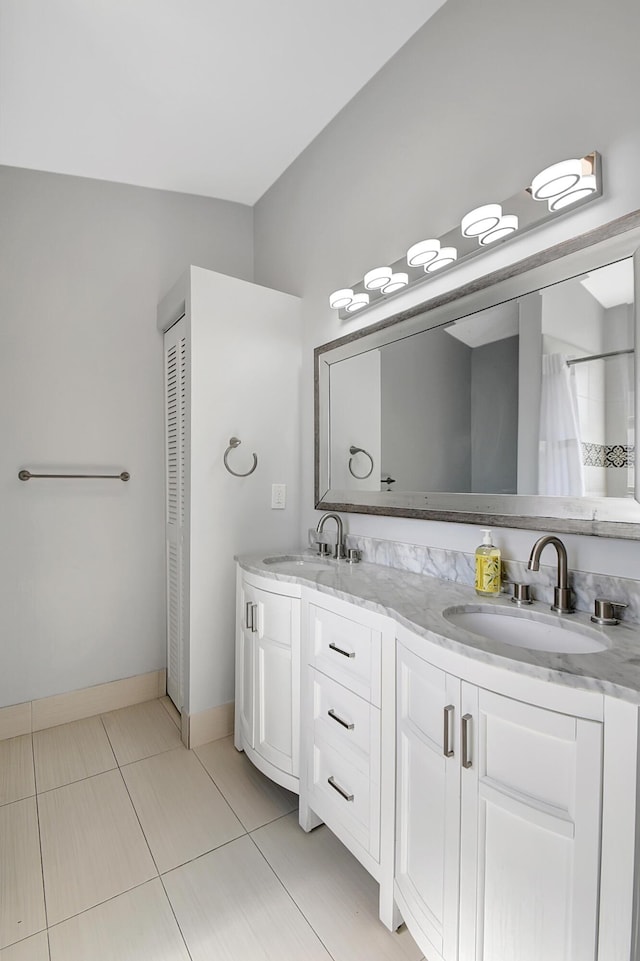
560	471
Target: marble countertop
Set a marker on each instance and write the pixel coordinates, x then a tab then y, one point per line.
417	602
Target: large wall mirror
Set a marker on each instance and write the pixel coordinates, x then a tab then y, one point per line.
513	402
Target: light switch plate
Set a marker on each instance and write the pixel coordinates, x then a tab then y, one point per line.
278	496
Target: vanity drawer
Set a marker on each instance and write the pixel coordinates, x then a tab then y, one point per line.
345	650
345	720
343	795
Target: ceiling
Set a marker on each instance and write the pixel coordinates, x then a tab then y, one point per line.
211	97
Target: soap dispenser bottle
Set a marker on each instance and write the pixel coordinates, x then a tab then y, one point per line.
488	567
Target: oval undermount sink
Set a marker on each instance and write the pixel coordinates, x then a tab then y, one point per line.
530	629
304	562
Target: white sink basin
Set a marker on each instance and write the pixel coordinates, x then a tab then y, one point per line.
530	629
301	562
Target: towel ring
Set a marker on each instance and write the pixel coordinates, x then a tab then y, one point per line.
360	450
235	442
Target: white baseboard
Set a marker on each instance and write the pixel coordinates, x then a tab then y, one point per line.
47	712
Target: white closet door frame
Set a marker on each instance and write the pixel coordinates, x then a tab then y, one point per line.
176	388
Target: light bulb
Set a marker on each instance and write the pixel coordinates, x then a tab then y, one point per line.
507	225
585	186
556	179
447	256
377	278
358	302
340	298
423	252
397	282
478	221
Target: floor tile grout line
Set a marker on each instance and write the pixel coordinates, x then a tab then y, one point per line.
113	750
219	790
175	916
290	895
113	897
146	840
44	889
77	780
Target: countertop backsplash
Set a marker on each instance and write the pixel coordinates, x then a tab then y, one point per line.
459	567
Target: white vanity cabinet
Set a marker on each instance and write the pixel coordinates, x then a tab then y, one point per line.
498	816
267	676
347	778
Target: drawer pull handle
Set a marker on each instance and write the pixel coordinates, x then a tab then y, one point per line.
338	650
336	717
336	787
466	746
254	618
447	750
248	616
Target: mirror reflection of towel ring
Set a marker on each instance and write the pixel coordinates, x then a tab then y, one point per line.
360	450
233	443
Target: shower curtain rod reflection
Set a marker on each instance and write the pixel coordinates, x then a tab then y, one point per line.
26	475
610	353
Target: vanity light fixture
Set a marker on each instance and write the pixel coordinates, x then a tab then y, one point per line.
507	225
396	282
446	256
481	220
585	186
423	252
377	278
564	186
341	298
358	301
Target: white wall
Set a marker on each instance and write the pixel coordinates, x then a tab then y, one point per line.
245	382
440	129
82	266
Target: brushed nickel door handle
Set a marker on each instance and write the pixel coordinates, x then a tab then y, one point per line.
447	749
336	717
339	650
466	746
341	791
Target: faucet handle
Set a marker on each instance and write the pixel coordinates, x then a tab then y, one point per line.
521	594
605	611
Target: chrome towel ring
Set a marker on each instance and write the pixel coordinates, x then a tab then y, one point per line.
360	450
235	442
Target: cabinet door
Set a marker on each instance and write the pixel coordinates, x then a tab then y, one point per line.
245	660
277	680
428	801
530	832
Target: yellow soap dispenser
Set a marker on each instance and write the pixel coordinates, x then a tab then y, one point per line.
488	567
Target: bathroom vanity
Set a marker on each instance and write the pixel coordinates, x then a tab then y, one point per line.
490	789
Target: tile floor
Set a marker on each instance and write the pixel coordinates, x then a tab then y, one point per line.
118	844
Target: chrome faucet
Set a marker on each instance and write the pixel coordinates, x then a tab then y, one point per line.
561	593
339	551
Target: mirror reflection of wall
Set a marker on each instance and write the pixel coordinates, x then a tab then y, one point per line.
516	398
354	417
583	319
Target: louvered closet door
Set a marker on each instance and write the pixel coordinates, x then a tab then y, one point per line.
176	400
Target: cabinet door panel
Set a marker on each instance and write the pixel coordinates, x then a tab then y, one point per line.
530	833
245	657
428	801
274	734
